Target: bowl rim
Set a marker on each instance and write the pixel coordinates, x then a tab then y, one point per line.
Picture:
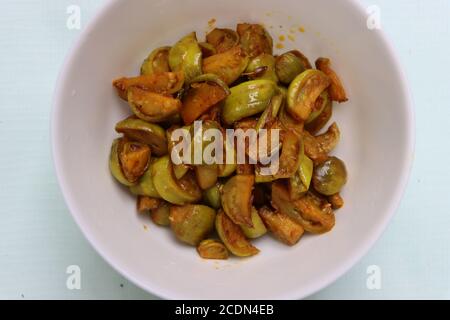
303	292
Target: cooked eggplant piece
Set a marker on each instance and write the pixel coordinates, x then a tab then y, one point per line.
316	214
318	147
161	214
291	154
211	196
222	39
204	93
145	186
229	166
236	198
212	249
134	158
207	175
181	169
128	160
114	165
336	201
258	229
289	123
290	64
304	91
192	223
208	49
322	119
180	192
233	237
282	227
304	211
156	62
228	65
152	107
144	132
330	176
337	91
146	204
322	101
254	39
248	99
262	67
186	56
282	202
163	83
299	183
270	114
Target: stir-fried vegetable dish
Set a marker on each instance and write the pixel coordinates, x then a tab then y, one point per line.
232	80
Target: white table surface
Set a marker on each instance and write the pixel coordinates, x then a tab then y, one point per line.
39	239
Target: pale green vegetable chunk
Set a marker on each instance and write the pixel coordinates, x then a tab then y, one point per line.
258	229
186	55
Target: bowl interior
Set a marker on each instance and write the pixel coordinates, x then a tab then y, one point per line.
376	144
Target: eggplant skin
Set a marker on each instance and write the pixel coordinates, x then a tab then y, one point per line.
233	237
192	223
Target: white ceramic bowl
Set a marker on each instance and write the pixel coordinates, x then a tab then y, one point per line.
377	145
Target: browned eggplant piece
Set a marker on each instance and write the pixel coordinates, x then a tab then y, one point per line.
146	204
228	65
322	119
318	147
162	82
254	39
233	237
282	227
192	223
212	249
161	214
336	201
236	198
306	211
134	158
222	39
152	107
336	89
144	132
